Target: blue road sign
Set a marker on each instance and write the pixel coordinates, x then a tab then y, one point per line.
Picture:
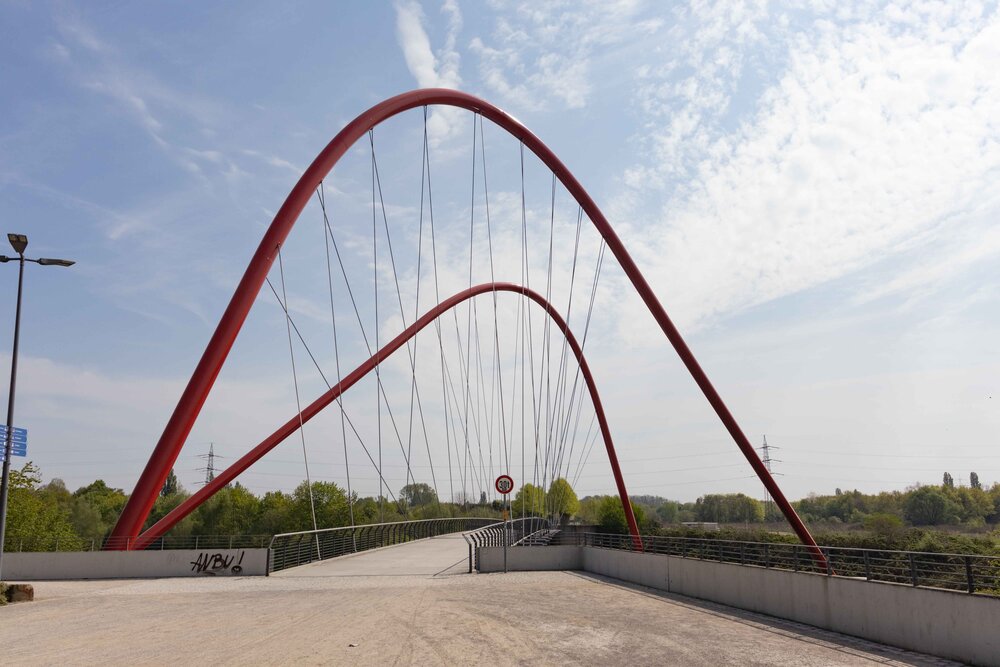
18	441
19	435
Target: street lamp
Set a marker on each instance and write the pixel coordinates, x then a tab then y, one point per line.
19	242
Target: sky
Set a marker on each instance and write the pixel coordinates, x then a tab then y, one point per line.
811	188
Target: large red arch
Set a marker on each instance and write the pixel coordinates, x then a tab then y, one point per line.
311	410
182	420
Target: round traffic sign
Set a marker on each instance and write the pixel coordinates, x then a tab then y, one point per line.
504	484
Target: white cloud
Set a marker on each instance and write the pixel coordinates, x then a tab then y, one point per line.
66	401
275	161
541	55
430	70
163	111
879	137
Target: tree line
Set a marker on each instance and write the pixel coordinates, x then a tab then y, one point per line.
43	517
932	505
47	516
970	507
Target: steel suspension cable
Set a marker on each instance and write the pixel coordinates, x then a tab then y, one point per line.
378	375
586	332
468	335
298	402
416	314
321	194
561	374
546	340
322	375
496	327
583	459
526	281
410	351
426	162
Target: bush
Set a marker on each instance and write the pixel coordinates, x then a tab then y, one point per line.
888	525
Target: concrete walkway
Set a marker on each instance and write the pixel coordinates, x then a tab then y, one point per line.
406	605
442	555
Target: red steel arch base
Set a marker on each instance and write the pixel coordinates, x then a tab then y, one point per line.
182	420
314	408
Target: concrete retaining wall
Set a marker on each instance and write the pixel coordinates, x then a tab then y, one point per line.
531	558
134	564
943	623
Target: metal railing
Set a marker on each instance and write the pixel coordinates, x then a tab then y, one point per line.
74	543
958	572
292	549
493	535
539	538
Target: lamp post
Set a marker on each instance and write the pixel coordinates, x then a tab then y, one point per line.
19	242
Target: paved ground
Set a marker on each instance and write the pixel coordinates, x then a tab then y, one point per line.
406	605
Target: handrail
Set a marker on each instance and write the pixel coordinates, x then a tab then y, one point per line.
971	573
493	535
71	543
530	535
307	546
373	525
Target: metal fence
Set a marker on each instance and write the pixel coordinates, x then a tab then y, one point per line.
74	543
959	572
494	534
292	549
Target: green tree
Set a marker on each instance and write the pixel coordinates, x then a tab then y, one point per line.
86	520
38	519
668	511
948	481
273	513
730	508
529	501
611	516
163	505
968	506
561	500
589	512
886	525
743	508
413	495
96	508
888	502
171	485
332	509
974	481
708	508
233	510
366	510
926	506
994	495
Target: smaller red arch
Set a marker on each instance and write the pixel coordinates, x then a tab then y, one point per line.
288	428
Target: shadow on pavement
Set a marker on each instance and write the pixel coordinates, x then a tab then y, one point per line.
790	629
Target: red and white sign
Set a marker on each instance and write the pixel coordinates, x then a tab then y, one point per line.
504	484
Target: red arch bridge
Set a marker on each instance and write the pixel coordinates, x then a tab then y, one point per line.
491	292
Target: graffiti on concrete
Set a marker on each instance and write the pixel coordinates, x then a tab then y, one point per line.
218	563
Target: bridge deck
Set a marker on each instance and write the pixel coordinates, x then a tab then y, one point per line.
403	605
442	555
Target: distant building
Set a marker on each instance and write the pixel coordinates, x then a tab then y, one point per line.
701	525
